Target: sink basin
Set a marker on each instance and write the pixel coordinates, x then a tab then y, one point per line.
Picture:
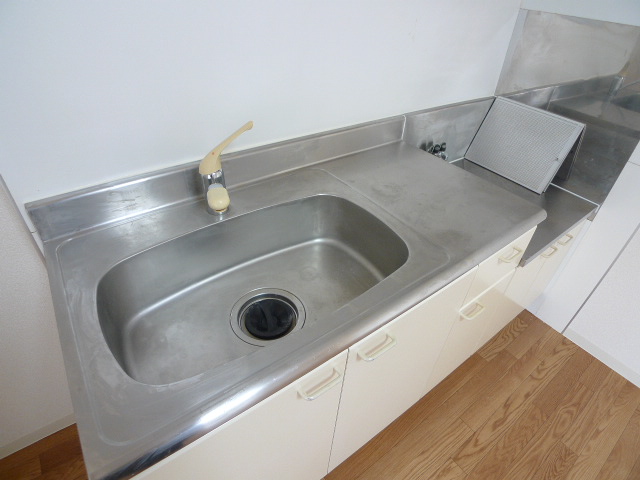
172	312
630	102
149	288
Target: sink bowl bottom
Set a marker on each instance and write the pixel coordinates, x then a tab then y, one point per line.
166	312
174	338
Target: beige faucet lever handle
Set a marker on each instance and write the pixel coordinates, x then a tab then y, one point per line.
211	162
218	198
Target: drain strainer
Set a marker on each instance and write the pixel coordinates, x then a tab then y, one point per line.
266	314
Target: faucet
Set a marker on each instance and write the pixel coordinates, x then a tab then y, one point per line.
215	187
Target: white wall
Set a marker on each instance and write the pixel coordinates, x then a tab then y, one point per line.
93	91
619	11
101	90
33	387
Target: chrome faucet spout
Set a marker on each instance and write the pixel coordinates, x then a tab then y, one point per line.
213	177
216	192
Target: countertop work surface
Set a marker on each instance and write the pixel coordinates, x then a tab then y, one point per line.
564	209
450	220
462	213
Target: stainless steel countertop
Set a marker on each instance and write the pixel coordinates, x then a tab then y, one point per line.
564	209
126	426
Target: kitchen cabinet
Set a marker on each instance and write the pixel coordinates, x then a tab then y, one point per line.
286	436
499	264
476	322
388	371
498	310
519	290
553	258
530	281
485	309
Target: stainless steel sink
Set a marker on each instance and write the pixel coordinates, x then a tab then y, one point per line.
168	313
630	102
149	304
148	287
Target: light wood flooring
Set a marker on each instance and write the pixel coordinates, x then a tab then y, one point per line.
56	457
529	405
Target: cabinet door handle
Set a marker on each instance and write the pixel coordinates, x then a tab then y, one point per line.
569	238
475	311
371	355
554	250
321	388
514	254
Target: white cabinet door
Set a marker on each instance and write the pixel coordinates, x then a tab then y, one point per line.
499	264
388	371
499	310
286	436
530	281
484	307
473	326
519	290
553	259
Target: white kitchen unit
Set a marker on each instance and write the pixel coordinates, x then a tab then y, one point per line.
387	371
286	436
498	311
499	264
485	309
519	290
476	322
530	281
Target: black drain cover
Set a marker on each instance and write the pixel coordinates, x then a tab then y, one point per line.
268	318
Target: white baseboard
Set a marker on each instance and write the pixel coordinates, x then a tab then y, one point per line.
604	357
33	437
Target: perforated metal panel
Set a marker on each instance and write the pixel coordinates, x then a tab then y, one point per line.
522	143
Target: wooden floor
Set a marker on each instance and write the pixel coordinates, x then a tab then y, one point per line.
529	405
57	457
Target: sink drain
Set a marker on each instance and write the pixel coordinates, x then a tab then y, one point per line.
265	315
268	318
